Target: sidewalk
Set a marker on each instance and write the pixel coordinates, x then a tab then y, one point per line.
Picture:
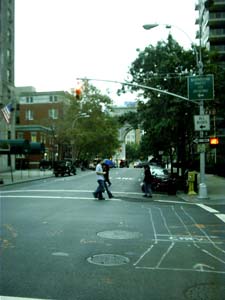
216	191
18	176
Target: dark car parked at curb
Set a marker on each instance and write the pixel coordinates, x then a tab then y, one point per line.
162	181
63	167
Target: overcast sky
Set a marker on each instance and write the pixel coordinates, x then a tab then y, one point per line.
57	41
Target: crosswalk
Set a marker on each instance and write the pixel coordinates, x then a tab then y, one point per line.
18	298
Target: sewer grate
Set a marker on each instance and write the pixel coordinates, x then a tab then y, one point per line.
119	234
205	292
108	260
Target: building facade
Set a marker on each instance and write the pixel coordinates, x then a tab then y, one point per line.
211	23
7	95
37	115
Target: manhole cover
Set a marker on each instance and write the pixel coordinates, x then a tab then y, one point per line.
206	292
108	260
119	234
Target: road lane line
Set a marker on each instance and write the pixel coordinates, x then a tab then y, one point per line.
18	298
207	208
203	231
221	217
57	197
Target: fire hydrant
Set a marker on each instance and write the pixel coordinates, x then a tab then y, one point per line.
191	181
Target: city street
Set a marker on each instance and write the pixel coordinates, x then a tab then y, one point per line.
58	242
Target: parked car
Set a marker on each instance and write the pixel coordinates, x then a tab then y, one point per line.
162	180
63	167
138	164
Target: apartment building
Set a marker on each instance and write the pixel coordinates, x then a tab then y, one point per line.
7	96
211	22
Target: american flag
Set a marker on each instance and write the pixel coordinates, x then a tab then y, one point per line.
6	111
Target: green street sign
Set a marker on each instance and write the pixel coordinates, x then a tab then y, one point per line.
201	87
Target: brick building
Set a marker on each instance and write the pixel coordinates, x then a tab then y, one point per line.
36	116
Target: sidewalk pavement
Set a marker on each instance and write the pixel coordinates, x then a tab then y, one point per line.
215	184
216	191
18	176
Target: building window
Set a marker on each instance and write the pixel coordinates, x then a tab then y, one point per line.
8	53
29	99
29	114
9	75
53	113
33	136
53	98
43	138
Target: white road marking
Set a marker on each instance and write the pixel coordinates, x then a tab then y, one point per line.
207	208
56	197
204	232
17	298
179	270
202	267
214	211
60	254
65	191
221	217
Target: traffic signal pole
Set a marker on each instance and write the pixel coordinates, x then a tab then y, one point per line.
202	193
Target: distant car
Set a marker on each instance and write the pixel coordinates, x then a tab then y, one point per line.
63	167
141	164
92	164
138	164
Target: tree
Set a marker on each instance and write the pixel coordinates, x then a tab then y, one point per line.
167	121
164	118
95	135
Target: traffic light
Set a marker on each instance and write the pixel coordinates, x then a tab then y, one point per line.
214	142
78	92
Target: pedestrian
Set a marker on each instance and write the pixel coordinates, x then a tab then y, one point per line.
147	182
101	181
107	182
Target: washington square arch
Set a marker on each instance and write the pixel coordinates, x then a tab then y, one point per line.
126	133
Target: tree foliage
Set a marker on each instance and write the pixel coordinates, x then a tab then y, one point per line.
88	126
168	121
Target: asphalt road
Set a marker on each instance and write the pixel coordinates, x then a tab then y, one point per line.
58	242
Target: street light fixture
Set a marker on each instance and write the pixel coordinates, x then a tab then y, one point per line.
202	186
79	116
169	26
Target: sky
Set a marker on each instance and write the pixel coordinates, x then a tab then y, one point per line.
58	41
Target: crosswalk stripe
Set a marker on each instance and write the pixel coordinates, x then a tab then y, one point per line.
55	197
18	298
221	217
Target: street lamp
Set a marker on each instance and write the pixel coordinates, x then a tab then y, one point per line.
79	116
199	63
169	26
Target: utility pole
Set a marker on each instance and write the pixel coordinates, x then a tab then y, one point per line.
203	194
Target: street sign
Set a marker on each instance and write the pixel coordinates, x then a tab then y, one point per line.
202	122
201	87
201	141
